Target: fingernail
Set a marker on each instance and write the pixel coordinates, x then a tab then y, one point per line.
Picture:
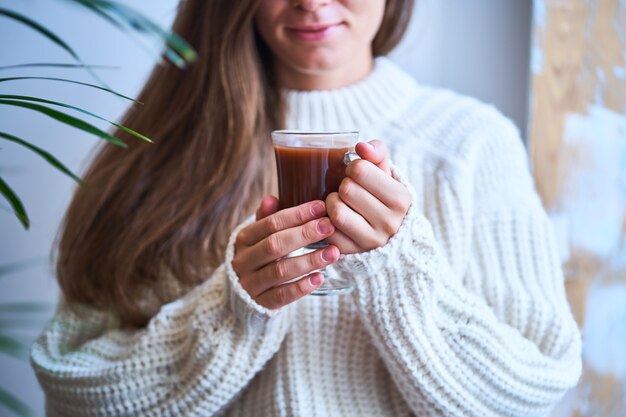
316	279
318	209
327	254
324	226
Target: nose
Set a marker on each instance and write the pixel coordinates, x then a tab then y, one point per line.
309	5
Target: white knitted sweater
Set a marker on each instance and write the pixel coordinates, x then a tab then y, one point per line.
462	313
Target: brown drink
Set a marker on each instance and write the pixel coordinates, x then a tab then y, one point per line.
307	174
310	166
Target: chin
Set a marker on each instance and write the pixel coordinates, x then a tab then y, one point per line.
317	63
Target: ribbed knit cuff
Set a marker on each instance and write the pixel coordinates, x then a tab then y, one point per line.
253	315
400	247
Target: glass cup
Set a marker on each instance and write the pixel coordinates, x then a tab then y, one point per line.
310	166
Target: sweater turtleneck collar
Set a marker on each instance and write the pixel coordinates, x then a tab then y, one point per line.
366	105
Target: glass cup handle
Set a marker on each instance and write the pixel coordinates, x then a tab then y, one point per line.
349	157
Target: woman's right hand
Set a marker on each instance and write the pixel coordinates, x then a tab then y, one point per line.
261	247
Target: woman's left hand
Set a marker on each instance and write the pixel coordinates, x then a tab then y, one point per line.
370	204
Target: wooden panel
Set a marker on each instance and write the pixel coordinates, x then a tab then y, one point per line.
578	150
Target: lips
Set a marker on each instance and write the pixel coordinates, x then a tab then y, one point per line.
314	33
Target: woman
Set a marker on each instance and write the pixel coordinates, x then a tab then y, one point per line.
170	308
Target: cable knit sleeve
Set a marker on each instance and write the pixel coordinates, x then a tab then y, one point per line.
192	359
473	320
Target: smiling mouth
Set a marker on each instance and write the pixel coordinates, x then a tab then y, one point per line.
312	33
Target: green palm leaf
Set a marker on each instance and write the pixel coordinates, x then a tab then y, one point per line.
67	119
49	35
16	203
177	43
69	106
70	81
39	28
6	269
90	5
14	404
129	20
21	323
47	156
25	307
56	65
12	347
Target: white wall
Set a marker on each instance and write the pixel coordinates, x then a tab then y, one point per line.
478	48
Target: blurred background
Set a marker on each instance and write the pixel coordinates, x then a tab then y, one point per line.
556	68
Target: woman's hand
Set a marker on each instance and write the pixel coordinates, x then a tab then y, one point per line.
370	204
260	249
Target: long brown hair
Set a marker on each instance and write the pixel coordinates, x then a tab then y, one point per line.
153	220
